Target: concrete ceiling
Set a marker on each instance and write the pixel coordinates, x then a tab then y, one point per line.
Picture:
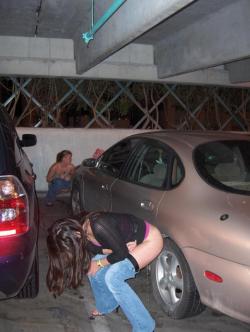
183	37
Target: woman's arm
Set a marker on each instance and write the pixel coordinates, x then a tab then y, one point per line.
70	172
51	173
109	238
96	265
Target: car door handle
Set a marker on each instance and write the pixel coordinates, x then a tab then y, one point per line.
104	187
147	205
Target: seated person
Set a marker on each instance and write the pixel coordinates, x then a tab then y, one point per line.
156	178
59	176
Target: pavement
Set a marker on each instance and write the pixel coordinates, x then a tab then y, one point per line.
69	312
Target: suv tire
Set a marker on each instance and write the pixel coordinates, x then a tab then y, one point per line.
31	287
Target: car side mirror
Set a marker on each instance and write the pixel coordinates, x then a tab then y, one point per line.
89	162
28	140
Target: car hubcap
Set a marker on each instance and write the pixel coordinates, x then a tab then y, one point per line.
169	278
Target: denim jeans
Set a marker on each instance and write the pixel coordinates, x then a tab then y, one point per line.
111	290
55	186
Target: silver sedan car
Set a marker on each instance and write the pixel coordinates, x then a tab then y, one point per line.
195	187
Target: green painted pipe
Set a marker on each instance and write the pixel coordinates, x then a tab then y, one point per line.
87	36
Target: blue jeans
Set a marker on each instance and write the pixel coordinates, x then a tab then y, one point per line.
55	186
111	290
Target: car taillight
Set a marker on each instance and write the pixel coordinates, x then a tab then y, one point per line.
14	210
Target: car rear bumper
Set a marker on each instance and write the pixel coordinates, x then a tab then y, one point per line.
232	295
15	264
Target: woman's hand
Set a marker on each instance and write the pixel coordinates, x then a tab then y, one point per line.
64	176
51	173
93	268
107	251
131	245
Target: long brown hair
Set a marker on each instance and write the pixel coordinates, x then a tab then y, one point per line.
68	258
62	154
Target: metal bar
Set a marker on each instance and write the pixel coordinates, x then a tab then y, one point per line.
67	94
109	103
186	108
153	107
93	14
87	36
14	94
151	110
196	110
131	97
236	111
36	102
60	101
85	99
229	111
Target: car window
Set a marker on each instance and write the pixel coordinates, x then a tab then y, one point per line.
7	137
113	159
150	166
225	164
177	172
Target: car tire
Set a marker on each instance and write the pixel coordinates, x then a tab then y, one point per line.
76	205
31	287
173	284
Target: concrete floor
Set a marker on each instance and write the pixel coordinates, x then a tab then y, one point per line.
69	312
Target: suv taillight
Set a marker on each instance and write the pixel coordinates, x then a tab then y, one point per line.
14	210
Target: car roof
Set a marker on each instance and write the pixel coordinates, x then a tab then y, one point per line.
193	138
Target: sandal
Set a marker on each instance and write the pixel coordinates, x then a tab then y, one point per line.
94	314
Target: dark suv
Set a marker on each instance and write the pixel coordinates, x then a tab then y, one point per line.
19	217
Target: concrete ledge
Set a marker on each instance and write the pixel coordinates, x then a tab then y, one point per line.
36	48
48	57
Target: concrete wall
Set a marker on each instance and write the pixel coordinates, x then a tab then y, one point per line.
82	143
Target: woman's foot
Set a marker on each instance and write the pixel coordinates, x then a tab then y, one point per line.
95	313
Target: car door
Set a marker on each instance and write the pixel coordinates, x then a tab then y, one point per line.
141	189
96	189
99	180
25	167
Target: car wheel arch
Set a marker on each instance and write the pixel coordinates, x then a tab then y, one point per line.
186	300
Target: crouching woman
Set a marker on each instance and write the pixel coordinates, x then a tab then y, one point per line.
110	248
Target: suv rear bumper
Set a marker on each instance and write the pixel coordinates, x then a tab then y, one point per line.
14	267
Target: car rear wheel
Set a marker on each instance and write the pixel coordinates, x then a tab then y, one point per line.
173	284
31	287
76	199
